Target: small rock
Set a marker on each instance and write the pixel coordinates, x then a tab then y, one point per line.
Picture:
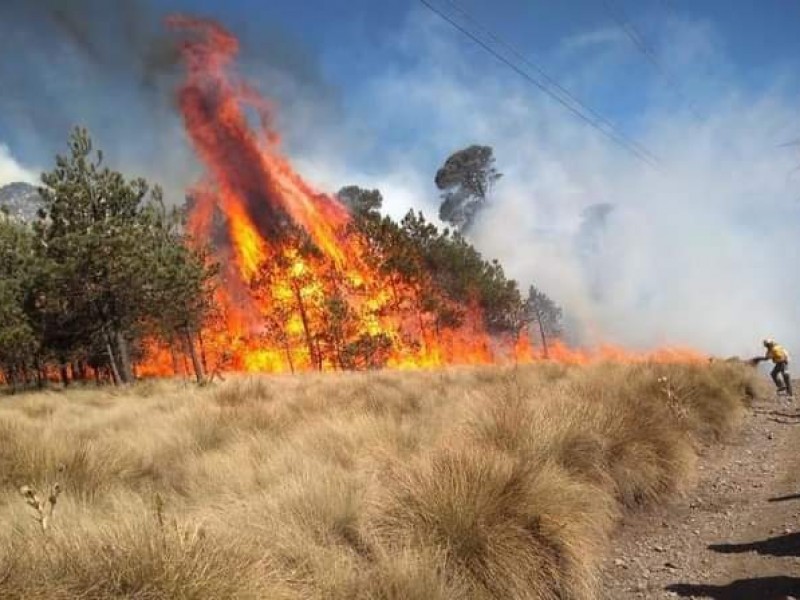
671	565
619	562
659	549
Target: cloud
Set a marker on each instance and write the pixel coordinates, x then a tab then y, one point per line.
697	253
610	36
11	171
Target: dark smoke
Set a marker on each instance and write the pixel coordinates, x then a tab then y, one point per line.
114	67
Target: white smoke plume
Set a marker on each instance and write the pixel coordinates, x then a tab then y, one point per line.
11	171
700	253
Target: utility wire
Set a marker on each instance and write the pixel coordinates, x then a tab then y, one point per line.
608	130
633	33
565	93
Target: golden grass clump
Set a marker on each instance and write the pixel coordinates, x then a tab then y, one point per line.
509	528
476	483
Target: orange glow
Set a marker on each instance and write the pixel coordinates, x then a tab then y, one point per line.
284	309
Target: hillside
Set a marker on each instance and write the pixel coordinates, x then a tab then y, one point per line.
20	200
464	483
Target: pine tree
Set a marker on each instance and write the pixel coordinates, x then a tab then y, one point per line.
18	341
119	267
546	314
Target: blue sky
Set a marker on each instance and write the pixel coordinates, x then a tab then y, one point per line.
379	93
355	41
752	45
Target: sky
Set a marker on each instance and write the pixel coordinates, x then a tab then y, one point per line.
697	252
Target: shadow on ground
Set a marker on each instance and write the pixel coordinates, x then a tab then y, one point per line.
785	498
764	588
783	545
777	413
784	421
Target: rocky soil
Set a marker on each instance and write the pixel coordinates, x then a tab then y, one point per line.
735	536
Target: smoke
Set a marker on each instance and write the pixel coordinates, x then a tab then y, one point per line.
114	67
700	252
11	171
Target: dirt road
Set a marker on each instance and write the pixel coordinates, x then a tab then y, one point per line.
736	536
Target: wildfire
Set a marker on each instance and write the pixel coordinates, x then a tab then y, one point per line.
299	291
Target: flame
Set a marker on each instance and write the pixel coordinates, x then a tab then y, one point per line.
284	309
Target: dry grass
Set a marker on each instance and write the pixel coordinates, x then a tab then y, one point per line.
467	483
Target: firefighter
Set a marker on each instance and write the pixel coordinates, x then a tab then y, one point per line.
780	357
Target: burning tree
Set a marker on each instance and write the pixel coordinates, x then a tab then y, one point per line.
314	281
261	272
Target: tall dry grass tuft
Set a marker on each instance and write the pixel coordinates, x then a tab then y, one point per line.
509	528
465	483
132	556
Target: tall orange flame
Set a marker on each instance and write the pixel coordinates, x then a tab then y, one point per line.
283	308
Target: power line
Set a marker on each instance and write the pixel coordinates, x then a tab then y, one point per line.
599	119
609	131
639	41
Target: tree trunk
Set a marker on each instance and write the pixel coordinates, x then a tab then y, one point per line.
544	338
176	365
64	374
39	377
185	374
306	327
112	363
125	369
196	362
202	351
288	349
79	370
11	379
395	293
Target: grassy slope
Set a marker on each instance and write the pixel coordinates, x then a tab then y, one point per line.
480	483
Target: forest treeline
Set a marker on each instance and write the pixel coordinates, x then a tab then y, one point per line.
107	268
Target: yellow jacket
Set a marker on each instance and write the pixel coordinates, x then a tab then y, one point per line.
777	354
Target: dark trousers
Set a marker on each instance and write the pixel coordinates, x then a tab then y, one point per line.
781	370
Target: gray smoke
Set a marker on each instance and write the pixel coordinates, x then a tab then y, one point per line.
699	253
113	67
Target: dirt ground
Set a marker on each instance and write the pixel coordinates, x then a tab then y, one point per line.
736	535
